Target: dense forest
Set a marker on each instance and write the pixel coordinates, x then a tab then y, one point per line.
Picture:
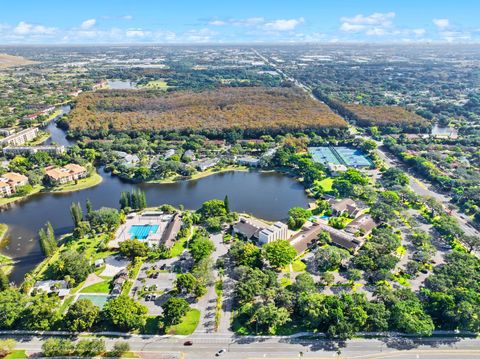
244	108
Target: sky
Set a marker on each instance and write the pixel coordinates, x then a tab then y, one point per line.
237	21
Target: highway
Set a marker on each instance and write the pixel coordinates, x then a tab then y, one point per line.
284	347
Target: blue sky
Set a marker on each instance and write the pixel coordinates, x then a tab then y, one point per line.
237	21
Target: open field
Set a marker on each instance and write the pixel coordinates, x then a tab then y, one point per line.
279	109
11	61
157	84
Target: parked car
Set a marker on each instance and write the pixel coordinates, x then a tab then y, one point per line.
188	343
147	297
220	352
153	297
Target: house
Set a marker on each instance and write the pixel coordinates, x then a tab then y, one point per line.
99	262
363	224
118	282
65	174
205	164
346	205
9	183
307	236
248	161
17	150
127	159
60	287
248	228
189	154
342	239
169	154
276	231
21	137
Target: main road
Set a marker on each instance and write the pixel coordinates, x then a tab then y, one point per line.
207	345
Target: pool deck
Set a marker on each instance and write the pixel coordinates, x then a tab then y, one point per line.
135	219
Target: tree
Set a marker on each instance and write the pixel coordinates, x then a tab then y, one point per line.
226	204
186	283
42	313
55	347
394	177
4	283
267	318
81	316
330	258
472	243
6	347
213	208
76	213
279	253
173	310
90	347
89	207
104	219
201	248
343	187
73	264
47	240
304	282
408	316
12	303
125	313
133	248
297	217
245	254
120	348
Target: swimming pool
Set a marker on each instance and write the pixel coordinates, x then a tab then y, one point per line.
141	232
98	300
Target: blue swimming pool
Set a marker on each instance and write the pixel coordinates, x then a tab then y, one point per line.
141	232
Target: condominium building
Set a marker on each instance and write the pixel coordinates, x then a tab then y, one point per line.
276	231
21	137
9	183
65	174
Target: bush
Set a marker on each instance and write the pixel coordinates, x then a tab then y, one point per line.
120	348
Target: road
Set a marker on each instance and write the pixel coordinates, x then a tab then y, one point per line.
283	347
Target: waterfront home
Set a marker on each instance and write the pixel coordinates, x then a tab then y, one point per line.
189	154
21	137
169	154
205	164
346	205
10	181
248	228
18	150
248	161
276	231
127	159
65	174
60	287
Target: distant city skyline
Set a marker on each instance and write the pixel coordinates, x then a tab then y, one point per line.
246	21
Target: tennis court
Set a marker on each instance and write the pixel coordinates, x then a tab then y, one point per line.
323	155
341	155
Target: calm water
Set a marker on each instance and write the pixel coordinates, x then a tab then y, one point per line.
266	195
57	135
120	85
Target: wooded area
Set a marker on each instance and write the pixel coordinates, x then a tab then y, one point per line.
244	108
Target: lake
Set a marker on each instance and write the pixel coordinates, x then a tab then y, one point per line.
266	195
120	85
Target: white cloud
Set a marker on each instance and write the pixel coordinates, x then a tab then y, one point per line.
441	23
136	33
374	23
284	24
127	17
217	23
88	24
25	28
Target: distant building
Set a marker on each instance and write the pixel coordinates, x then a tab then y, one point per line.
21	137
16	150
65	174
60	287
169	154
171	231
189	154
248	161
276	231
336	169
43	112
346	205
127	159
9	183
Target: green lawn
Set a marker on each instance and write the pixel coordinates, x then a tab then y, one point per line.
3	230
326	184
188	324
285	282
88	182
17	354
157	84
299	266
100	287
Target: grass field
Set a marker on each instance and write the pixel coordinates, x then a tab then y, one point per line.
100	287
88	182
326	184
188	324
157	84
17	354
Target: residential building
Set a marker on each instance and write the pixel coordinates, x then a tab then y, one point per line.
205	164
65	174
16	150
60	287
336	169
171	231
127	159
169	154
248	228
276	231
248	161
346	205
21	137
363	225
9	183
189	154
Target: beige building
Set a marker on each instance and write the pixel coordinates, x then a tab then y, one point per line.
65	174
9	183
21	137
